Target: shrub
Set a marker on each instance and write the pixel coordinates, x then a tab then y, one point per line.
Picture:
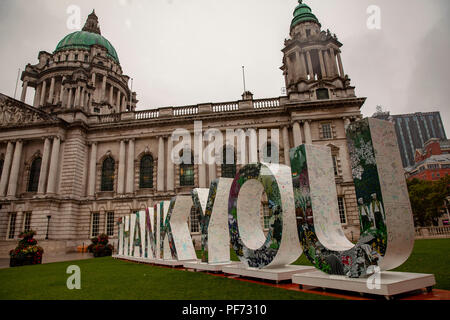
100	247
27	252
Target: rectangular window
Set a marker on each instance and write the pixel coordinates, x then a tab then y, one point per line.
266	214
341	204
335	166
12	225
110	224
194	220
95	224
27	222
76	57
326	131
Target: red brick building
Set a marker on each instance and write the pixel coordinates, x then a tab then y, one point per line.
432	162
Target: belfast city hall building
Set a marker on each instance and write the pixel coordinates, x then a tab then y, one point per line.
82	155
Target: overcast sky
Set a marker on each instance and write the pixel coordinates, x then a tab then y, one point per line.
183	52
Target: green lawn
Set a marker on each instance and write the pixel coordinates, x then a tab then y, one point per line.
107	279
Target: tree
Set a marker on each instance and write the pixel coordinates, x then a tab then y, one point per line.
428	199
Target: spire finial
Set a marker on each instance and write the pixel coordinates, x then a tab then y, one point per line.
91	24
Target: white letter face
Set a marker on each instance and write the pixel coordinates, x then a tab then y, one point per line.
374	20
176	229
387	231
253	248
74	281
213	205
74	19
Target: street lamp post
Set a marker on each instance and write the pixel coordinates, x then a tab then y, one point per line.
48	224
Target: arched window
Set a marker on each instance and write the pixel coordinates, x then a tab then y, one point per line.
228	163
35	171
108	174
146	172
186	168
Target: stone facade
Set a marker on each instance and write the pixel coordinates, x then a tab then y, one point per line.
84	113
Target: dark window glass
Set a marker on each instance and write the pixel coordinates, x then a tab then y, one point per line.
95	224
341	205
110	224
322	94
186	170
108	175
35	171
1	167
228	163
146	172
12	225
27	222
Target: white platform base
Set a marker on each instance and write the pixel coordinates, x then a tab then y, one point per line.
387	283
171	263
275	274
213	267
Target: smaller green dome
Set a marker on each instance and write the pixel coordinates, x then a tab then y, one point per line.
84	40
303	13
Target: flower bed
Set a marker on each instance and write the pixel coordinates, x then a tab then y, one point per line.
27	252
100	246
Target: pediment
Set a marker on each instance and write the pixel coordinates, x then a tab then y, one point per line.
16	113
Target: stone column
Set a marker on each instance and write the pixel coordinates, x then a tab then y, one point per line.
44	88
297	134
92	170
211	171
253	147
54	165
124	103
307	128
286	146
24	91
61	92
111	93
311	71
69	99
130	167
170	166
322	64
103	93
341	67
303	64
15	169
6	168
77	97
93	79
44	167
121	172
346	122
160	178
82	97
37	96
333	62
52	90
118	101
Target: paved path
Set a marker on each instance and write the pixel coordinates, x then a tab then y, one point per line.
4	262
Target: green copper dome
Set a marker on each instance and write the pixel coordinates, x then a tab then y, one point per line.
85	39
303	13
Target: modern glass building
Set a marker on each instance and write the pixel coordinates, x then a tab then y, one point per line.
413	130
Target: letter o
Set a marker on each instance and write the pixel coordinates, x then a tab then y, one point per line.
280	247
